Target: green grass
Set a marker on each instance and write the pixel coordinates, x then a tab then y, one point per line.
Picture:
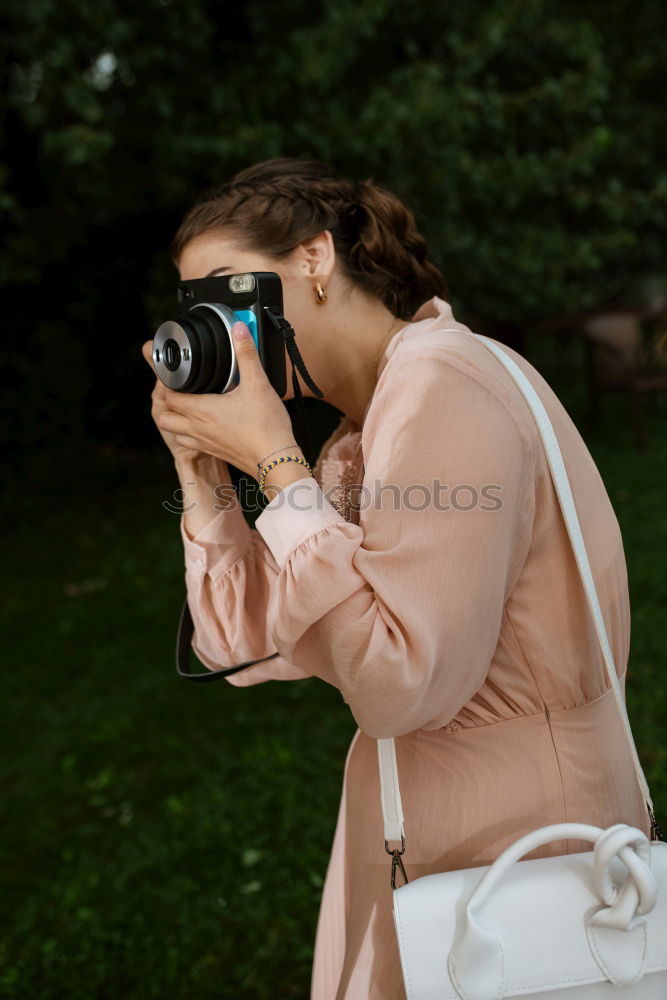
169	839
161	838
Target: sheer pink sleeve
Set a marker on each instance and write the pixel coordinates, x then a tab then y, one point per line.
229	574
402	612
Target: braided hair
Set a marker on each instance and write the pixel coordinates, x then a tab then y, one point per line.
273	206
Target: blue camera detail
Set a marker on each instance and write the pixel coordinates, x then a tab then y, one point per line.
248	317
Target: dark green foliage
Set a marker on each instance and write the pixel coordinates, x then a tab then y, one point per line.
527	136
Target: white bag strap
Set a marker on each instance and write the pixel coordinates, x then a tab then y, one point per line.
392	809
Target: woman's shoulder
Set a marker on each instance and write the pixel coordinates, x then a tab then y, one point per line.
436	352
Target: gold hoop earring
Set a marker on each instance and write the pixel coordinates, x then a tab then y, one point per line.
320	293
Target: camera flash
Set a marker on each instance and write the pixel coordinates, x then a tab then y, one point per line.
242	283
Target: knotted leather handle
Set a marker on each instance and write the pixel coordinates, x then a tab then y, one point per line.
476	961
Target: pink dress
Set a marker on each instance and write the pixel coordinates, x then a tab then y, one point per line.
449	612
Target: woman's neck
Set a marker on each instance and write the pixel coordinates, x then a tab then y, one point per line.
349	370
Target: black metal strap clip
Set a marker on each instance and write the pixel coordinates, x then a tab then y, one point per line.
396	862
656	832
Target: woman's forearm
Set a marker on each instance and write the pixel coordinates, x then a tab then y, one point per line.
207	488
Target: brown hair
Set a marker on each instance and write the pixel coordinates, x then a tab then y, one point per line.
275	205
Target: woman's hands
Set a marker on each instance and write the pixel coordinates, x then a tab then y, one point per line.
240	426
159	396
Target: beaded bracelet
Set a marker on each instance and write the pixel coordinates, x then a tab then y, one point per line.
292	444
279	461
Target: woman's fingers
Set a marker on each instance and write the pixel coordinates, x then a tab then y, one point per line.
147	351
173	423
158	397
185	441
160	390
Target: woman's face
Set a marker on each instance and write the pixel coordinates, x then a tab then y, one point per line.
213	253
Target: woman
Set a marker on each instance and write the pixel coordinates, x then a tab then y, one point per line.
449	613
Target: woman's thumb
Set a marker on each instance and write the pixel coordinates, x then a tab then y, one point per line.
244	345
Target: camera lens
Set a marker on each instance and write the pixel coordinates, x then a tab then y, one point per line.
172	355
194	352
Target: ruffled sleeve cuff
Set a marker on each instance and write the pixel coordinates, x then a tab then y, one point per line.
295	513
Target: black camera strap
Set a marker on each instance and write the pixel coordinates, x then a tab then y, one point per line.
184	652
185	624
281	324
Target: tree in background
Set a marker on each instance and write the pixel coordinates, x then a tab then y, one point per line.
527	136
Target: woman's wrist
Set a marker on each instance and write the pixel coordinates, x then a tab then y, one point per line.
206	487
285	449
203	463
284	473
204	471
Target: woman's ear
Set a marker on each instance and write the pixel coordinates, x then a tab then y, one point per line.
318	256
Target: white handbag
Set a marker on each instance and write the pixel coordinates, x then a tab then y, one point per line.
560	927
